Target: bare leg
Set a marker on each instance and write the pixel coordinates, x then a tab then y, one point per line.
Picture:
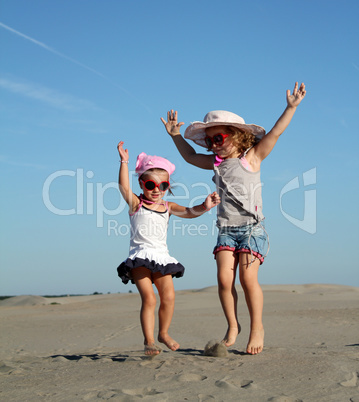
248	275
164	285
226	275
143	281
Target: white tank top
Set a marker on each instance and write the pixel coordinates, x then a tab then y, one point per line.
149	229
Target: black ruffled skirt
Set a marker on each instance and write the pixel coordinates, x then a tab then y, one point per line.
125	268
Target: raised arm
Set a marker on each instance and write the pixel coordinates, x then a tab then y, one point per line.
123	179
211	201
202	161
265	146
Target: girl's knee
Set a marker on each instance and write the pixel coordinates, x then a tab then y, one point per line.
249	282
225	282
149	300
167	297
224	286
165	288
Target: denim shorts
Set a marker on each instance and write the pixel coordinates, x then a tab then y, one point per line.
243	239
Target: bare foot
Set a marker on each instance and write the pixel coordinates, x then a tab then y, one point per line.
256	340
231	335
169	342
152	349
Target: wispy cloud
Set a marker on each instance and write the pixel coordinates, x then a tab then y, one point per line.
50	49
47	95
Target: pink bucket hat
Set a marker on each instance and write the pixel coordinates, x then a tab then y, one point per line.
146	162
196	130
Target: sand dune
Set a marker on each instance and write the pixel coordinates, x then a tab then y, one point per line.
90	348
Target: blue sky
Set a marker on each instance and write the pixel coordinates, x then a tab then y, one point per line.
78	76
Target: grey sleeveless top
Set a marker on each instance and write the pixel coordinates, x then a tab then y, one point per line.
241	194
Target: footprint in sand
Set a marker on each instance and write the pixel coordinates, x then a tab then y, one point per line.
229	383
352	382
247	384
4	369
225	385
60	359
121	394
141	392
188	377
205	398
283	398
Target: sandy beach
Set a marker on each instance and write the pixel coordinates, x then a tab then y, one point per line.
91	348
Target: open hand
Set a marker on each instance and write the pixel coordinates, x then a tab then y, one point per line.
123	152
294	99
171	125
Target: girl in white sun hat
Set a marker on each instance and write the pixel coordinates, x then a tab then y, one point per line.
238	150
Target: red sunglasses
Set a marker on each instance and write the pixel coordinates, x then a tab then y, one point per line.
217	139
151	185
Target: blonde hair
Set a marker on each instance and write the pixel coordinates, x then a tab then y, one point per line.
242	139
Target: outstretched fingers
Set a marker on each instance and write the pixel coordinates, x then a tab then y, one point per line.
299	92
171	125
172	115
297	95
302	90
295	88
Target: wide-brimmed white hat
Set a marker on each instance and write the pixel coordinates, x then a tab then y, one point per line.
196	130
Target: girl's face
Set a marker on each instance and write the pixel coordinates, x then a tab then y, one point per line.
225	150
157	193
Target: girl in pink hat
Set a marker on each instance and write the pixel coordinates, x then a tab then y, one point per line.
238	150
149	260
